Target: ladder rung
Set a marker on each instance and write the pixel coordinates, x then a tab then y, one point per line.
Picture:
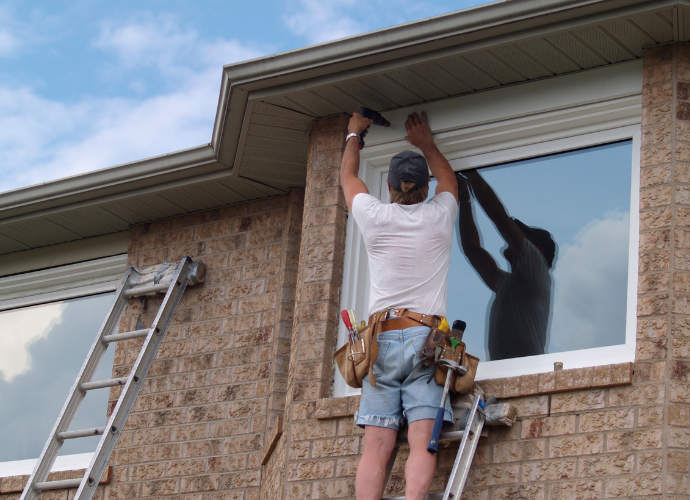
444	438
94	431
138	291
117	337
57	485
430	496
100	384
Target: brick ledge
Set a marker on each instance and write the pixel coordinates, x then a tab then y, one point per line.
16	484
596	377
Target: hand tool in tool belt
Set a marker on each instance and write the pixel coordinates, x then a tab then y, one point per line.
451	368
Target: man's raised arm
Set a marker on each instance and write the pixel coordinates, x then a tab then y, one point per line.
349	166
495	210
481	260
419	135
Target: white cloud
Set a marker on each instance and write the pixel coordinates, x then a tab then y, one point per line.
8	43
591	286
43	139
320	21
19	329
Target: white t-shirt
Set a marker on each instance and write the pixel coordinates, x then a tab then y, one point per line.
409	251
519	315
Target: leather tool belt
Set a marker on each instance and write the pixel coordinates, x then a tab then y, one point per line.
355	360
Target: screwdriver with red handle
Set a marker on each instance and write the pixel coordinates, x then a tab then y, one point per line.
350	331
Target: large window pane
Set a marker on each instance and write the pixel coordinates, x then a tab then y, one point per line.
583	199
42	349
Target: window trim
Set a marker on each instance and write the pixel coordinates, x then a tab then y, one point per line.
63	282
530	133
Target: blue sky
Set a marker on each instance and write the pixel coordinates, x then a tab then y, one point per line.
91	84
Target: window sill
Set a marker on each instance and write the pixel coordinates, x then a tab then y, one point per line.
596	377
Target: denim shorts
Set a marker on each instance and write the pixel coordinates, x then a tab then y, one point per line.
401	391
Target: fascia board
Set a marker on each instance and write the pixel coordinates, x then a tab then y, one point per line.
109	181
487	21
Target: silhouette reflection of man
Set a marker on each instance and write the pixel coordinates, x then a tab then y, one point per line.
519	315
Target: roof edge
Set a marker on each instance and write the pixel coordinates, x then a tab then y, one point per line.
119	177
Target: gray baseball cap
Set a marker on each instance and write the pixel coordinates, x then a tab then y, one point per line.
408	166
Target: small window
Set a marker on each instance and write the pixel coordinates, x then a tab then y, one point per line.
49	319
42	349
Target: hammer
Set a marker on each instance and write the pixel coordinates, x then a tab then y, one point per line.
438	424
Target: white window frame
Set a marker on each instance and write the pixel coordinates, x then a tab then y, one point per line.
535	119
51	285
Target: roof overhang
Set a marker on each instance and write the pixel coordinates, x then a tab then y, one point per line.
266	106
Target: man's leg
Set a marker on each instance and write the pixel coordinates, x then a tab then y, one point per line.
421	465
371	472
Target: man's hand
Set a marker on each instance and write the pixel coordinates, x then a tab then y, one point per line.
418	131
358	124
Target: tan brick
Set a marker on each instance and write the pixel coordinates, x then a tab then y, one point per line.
519	451
652	305
650	461
654	261
313	469
638	395
655	218
657	113
681	326
607	465
572	446
660	133
678	461
633	440
658	154
522	492
576	490
655	175
335	447
548	426
531	406
493	475
577	401
657	282
606	420
549	470
651	349
634	485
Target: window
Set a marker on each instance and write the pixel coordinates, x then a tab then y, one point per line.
42	348
573	171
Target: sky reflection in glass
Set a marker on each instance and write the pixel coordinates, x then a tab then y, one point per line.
42	350
583	199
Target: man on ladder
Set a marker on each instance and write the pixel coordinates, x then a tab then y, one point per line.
408	243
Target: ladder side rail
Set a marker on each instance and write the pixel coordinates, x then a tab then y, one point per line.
466	451
131	390
76	396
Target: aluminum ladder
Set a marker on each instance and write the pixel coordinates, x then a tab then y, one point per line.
171	280
461	467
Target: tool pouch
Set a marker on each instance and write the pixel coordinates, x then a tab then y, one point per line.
436	338
357	359
459	384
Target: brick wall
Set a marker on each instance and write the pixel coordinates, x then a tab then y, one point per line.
218	383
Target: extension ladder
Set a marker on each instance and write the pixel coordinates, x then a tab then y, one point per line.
171	280
469	437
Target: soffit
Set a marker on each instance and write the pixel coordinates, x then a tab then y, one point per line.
267	107
276	113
